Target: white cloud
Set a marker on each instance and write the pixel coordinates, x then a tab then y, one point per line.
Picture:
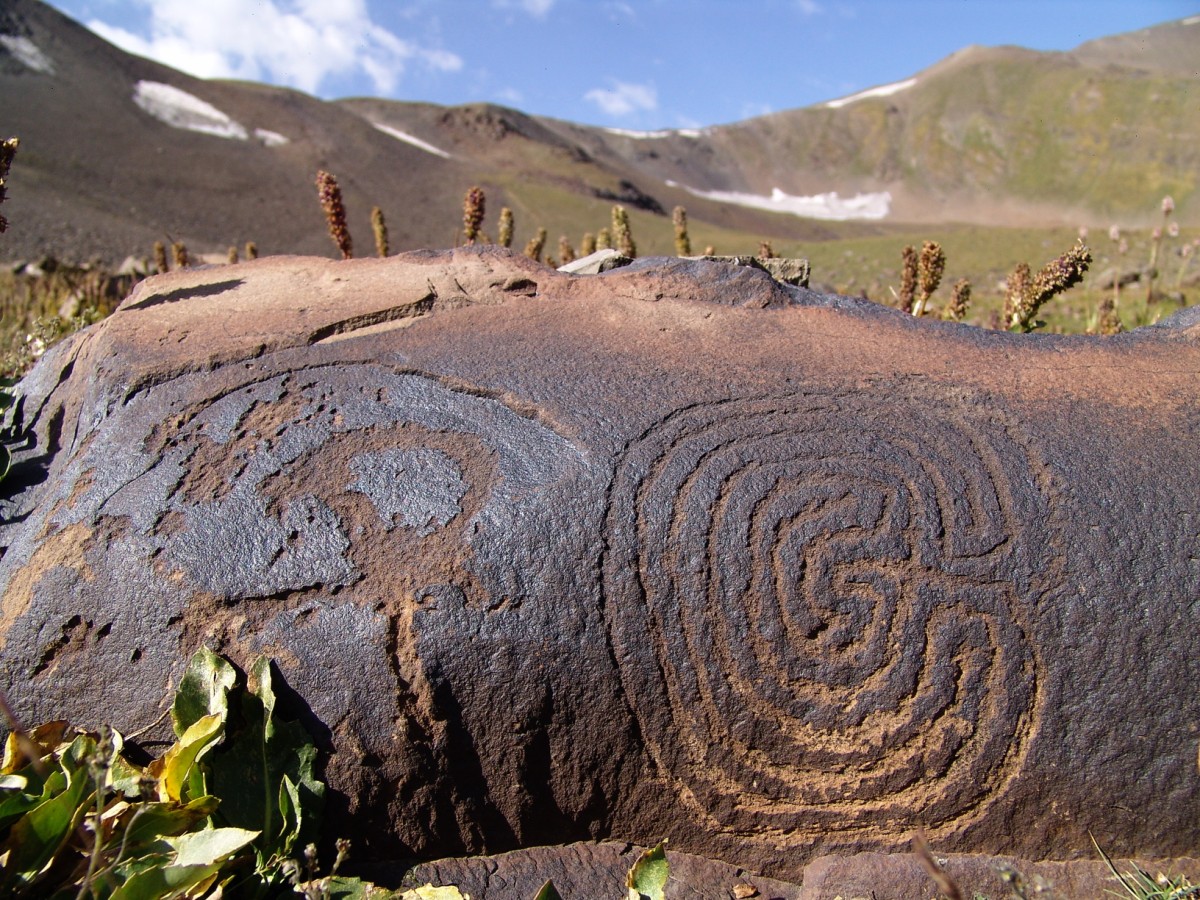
299	43
536	8
809	7
624	98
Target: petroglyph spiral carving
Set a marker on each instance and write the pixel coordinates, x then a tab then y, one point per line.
816	605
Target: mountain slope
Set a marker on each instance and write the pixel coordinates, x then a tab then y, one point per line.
118	152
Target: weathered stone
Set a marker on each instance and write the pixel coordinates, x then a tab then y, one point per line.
594	263
586	870
672	551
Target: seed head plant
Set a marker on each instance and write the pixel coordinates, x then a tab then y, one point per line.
8	149
335	212
505	235
960	300
766	251
536	245
251	250
604	239
473	207
621	233
683	244
1026	295
231	255
1114	235
379	227
1108	322
587	246
709	250
160	257
908	279
1168	207
930	266
1186	252
179	253
566	253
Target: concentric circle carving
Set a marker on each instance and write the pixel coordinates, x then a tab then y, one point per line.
817	607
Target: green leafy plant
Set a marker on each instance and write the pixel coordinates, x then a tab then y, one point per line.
1139	884
228	810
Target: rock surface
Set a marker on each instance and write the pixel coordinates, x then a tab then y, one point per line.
587	870
672	551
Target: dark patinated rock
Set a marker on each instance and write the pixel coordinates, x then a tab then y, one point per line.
672	551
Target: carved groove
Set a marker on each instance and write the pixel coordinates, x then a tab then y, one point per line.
818	605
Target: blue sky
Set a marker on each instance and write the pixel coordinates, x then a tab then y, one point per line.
642	65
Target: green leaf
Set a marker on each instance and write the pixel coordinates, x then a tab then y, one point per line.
203	690
179	760
429	892
338	887
5	461
163	881
264	773
154	821
548	892
648	877
203	848
36	838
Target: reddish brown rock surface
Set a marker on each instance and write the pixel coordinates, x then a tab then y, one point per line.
673	551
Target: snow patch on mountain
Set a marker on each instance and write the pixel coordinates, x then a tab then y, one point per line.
818	206
270	138
28	53
179	109
410	139
884	90
655	135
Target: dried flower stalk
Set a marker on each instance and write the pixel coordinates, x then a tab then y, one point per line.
160	257
8	149
506	227
930	266
473	207
683	244
379	227
960	300
622	234
335	212
908	279
536	244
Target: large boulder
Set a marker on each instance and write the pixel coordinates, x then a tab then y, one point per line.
672	551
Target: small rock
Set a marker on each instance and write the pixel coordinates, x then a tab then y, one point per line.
595	263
